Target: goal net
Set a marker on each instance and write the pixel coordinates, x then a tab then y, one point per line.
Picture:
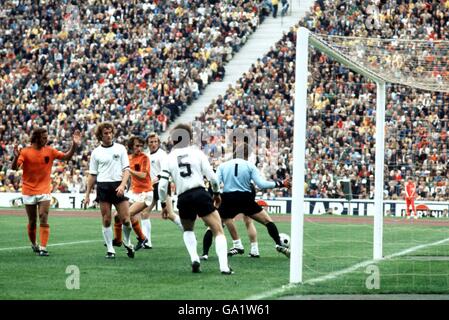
380	104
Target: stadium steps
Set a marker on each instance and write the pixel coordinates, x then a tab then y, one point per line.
258	44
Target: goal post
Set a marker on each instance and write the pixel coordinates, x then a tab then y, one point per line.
305	39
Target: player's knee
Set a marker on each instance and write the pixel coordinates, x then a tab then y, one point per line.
43	217
106	223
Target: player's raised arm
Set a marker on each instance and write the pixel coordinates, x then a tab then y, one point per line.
76	142
259	181
14	165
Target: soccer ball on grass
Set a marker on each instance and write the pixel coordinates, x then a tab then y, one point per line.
285	239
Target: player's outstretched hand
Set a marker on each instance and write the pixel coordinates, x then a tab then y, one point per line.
283	183
77	138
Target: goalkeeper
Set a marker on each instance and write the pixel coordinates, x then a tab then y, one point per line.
236	176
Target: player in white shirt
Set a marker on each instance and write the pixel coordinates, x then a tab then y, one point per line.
187	165
109	168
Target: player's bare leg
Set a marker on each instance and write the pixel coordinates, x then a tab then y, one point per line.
31	210
252	235
134	210
123	213
237	246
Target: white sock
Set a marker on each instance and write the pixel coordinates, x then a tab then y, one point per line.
146	229
190	242
221	248
254	248
237	243
126	234
107	236
177	221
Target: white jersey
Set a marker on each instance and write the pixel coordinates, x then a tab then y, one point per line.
188	167
156	160
108	163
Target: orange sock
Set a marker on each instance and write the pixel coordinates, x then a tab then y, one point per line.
44	233
118	231
32	234
138	230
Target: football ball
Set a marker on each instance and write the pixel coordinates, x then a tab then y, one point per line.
285	239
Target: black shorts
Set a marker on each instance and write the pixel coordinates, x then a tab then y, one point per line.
233	203
106	192
156	191
195	202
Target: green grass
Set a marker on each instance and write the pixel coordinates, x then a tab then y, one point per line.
161	273
164	273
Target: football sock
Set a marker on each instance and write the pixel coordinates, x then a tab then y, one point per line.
207	241
254	248
138	230
273	232
237	243
107	236
190	242
44	233
146	229
221	248
127	233
177	221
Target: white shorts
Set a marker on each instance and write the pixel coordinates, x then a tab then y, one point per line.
146	197
35	199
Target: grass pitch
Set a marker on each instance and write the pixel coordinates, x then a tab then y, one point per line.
164	273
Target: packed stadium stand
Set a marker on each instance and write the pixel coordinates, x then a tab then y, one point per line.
56	75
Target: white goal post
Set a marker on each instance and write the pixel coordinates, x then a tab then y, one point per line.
303	40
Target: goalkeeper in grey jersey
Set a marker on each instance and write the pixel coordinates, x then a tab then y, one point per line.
188	165
237	197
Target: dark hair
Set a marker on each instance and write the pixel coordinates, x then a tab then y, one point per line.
37	134
101	127
132	140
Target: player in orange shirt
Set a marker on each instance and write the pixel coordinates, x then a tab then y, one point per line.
142	191
410	195
36	162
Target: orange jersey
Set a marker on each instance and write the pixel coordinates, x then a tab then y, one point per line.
410	190
140	163
36	165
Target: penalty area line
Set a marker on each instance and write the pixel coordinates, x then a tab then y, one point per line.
336	274
51	245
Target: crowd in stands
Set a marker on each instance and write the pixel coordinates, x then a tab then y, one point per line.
342	104
68	65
